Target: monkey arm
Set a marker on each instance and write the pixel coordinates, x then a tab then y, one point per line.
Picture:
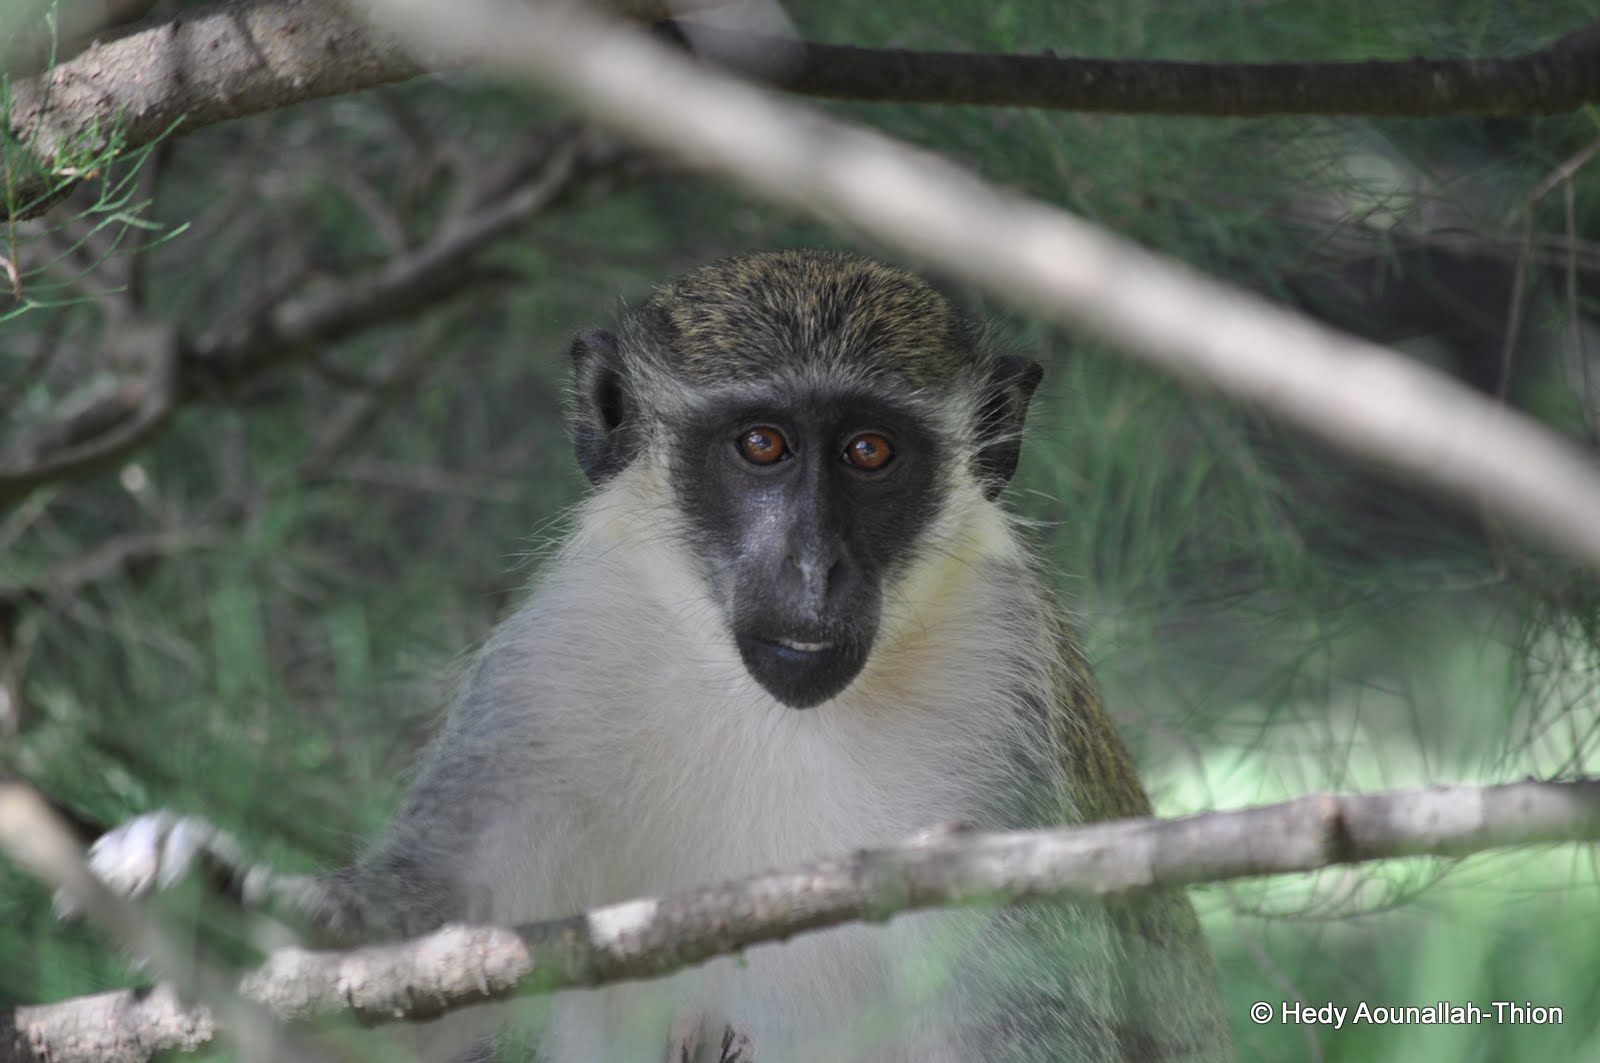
157	850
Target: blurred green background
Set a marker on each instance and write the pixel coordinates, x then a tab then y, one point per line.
1268	618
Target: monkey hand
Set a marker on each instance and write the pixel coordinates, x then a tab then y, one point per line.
159	849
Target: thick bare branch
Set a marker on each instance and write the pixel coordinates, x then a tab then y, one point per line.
35	41
461	965
248	56
129	1026
1358	396
197	67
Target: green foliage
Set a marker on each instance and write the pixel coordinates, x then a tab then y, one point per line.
112	218
1268	619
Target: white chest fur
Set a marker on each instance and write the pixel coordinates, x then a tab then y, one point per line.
673	769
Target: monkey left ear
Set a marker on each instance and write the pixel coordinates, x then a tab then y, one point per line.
1000	419
603	411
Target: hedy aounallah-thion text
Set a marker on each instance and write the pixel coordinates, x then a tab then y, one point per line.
1443	1013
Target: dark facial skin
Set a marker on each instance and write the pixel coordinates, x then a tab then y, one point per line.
803	504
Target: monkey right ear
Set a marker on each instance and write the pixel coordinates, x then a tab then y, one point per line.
603	411
1000	419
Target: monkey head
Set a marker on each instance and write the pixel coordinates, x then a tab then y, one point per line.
815	412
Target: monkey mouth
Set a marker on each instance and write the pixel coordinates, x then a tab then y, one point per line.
801	672
800	647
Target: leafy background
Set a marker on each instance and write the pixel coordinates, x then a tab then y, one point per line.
1268	618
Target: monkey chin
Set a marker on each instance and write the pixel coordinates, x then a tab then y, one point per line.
801	673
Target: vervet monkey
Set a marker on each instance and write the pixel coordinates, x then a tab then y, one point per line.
793	619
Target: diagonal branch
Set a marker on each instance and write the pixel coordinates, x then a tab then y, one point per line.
458	966
242	57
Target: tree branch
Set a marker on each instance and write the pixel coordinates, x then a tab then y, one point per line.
462	965
649	938
1560	77
420	277
124	1026
277	330
197	67
244	57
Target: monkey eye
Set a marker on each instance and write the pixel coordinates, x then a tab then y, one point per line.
868	451
763	445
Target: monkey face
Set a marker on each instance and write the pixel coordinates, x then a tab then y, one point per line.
798	396
803	506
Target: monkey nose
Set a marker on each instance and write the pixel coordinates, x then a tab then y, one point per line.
817	567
